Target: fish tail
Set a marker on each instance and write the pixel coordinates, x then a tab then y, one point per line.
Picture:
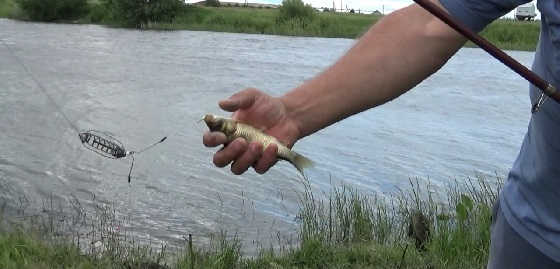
301	162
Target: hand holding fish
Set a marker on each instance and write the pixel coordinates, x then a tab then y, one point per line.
263	112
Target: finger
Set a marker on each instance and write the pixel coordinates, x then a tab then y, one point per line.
214	139
229	153
267	160
240	100
247	159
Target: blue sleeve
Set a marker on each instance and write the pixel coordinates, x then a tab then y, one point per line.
476	14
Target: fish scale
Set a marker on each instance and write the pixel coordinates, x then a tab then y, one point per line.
234	129
252	134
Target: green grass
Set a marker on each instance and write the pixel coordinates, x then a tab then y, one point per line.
264	21
7	8
505	34
513	35
346	229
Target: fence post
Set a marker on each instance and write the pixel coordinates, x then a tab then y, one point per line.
191	251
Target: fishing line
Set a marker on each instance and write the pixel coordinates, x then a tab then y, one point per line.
58	108
151	146
99	142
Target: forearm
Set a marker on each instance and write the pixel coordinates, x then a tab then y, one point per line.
396	54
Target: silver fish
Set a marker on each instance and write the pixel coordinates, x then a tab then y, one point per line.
234	129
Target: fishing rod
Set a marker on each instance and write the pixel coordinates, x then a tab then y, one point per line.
546	88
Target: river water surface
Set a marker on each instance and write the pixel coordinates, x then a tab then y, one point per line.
467	119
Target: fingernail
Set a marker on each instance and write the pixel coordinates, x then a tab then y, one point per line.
231	102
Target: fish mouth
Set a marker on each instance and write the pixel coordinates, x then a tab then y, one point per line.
208	118
212	122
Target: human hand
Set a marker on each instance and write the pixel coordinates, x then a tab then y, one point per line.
263	112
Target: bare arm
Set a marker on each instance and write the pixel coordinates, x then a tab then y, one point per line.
397	53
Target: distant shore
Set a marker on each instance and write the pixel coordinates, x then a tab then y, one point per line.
505	34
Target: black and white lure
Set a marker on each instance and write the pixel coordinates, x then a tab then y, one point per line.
109	147
96	141
103	144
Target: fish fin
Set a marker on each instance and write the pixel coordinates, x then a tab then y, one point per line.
301	162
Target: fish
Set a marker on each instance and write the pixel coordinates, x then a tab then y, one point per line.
234	129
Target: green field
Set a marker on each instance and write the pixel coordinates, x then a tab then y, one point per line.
513	35
264	21
346	229
506	34
7	8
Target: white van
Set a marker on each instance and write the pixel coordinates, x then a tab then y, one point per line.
525	12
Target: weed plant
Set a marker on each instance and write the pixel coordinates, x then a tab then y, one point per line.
343	229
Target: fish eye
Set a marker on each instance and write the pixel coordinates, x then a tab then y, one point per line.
208	118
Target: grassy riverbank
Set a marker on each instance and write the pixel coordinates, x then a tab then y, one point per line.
513	35
7	8
264	21
506	34
347	229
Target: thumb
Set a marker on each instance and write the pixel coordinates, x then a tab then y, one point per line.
241	100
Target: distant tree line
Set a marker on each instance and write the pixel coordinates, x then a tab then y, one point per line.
140	13
212	3
132	13
51	10
296	9
296	14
